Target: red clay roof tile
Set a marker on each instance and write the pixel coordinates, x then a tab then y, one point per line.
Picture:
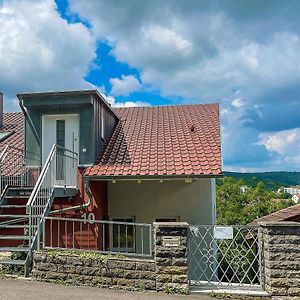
165	140
14	122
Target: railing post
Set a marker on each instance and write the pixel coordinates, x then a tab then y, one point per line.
38	235
28	208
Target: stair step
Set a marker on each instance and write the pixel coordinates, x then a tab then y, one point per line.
12	206
14	249
13	221
14	226
14	237
17	197
12	262
14	216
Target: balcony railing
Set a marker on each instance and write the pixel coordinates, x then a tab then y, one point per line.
18	168
97	236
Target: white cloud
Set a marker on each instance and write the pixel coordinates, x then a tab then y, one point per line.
40	51
205	51
125	85
195	52
238	102
285	142
114	103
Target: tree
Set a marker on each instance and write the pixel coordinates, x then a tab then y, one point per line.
235	207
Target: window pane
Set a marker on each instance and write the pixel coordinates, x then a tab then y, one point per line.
60	141
123	235
60	133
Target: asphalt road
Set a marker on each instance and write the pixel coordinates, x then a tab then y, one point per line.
15	289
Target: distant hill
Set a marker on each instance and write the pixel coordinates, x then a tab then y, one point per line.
272	180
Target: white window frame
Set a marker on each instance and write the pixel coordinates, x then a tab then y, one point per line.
111	241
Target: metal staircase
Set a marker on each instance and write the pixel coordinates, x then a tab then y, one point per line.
14	223
27	194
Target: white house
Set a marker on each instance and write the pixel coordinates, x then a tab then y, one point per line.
296	198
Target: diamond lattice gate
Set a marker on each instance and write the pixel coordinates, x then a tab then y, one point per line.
224	257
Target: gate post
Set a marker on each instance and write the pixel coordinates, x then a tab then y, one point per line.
281	258
171	256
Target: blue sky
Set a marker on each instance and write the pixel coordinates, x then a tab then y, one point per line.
242	54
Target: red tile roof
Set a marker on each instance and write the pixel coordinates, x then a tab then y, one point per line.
291	213
163	141
13	122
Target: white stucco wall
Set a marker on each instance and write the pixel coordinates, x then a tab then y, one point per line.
191	202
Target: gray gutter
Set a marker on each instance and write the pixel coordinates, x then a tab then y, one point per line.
70	93
151	177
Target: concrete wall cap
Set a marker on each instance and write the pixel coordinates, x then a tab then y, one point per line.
279	224
171	224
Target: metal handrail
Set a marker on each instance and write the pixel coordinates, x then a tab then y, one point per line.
41	198
41	177
97	236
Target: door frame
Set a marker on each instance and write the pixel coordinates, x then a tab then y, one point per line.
43	129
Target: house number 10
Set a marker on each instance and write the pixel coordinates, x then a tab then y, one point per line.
89	217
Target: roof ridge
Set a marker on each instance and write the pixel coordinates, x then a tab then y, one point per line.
168	106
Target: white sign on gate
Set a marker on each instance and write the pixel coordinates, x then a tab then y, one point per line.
223	232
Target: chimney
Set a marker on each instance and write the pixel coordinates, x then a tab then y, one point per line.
1	110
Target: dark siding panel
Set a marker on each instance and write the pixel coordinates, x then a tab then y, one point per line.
110	122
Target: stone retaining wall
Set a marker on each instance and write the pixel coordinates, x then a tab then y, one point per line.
166	272
280	244
95	270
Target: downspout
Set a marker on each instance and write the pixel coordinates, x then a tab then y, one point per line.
77	207
29	119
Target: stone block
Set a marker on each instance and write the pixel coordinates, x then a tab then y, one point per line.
40	257
106	272
70	269
275	273
131	274
121	264
169	231
294	291
274	256
163	278
171	252
279	282
147	275
178	288
145	266
145	284
180	279
117	273
102	281
292	239
72	260
173	270
283	265
276	291
180	261
125	282
163	261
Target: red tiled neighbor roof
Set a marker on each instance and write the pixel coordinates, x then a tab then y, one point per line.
163	141
13	122
291	213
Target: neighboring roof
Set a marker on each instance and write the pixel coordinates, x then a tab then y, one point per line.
13	122
298	195
163	141
291	213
